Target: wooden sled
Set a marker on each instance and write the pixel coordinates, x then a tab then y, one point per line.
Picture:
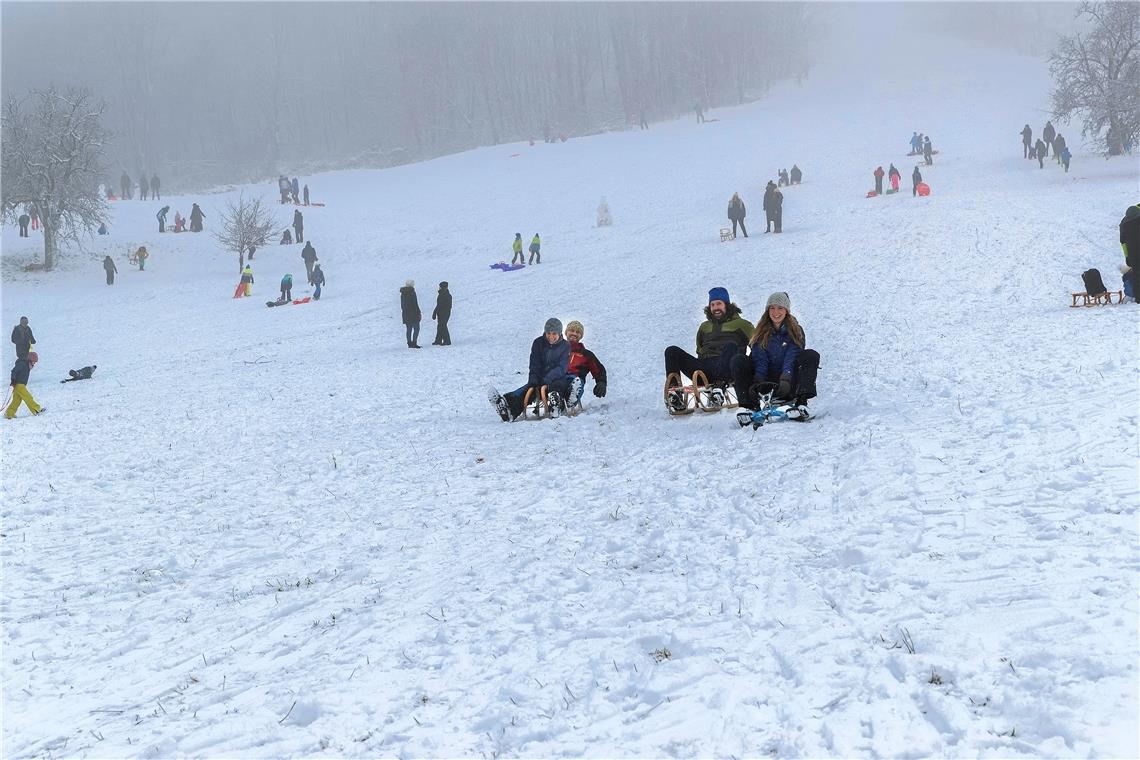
1100	299
726	234
541	406
688	394
712	397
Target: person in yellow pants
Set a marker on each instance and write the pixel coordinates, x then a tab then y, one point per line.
20	393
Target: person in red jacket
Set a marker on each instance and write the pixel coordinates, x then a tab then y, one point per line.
582	362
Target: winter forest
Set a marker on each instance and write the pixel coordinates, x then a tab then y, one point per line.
570	379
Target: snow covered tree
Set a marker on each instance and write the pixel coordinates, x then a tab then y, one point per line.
51	162
1098	74
245	223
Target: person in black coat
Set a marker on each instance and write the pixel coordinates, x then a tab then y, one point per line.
777	210
154	187
24	220
196	217
1130	242
915	178
1026	140
736	213
309	256
23	338
1048	134
110	268
1041	151
1058	146
410	310
298	226
796	175
928	151
441	314
768	190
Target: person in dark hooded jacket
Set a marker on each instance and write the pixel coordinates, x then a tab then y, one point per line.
796	175
298	226
915	180
769	218
549	360
309	256
441	313
1048	134
23	338
110	268
736	213
1130	243
1026	140
196	217
410	312
1040	151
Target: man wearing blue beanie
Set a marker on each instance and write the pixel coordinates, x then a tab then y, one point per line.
722	335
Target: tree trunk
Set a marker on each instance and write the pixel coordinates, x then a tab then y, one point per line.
51	242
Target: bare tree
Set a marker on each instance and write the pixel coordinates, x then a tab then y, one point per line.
52	153
245	224
1098	75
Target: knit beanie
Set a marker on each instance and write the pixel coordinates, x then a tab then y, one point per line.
779	299
553	325
410	284
575	325
719	294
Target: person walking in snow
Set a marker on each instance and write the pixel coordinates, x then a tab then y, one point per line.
915	180
162	212
21	371
154	188
769	206
1059	146
736	214
778	357
549	359
782	178
895	178
535	247
582	362
22	337
318	279
287	288
141	256
309	256
516	246
928	151
777	210
1065	156
245	286
144	187
1026	140
295	189
796	175
110	268
915	143
441	313
1039	152
298	226
305	192
196	217
879	180
1049	133
125	186
23	222
410	313
722	335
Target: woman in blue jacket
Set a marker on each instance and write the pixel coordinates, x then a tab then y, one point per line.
778	356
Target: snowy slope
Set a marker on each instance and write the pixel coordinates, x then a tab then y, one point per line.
278	532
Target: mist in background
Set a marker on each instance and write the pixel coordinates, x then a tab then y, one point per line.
211	93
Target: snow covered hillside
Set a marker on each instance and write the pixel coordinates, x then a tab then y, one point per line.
279	532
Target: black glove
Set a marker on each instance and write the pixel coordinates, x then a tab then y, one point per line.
784	389
600	390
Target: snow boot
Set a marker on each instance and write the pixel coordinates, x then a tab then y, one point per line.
555	404
502	406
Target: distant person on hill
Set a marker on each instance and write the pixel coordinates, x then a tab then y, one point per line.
110	268
295	191
287	288
894	176
284	187
516	246
441	313
736	213
410	313
1065	156
144	187
604	218
1026	140
777	210
298	226
179	222
769	215
162	212
252	250
915	179
1130	244
245	288
318	282
535	250
1059	146
309	256
1038	151
22	338
19	381
305	193
549	359
287	237
879	180
700	113
125	186
782	178
915	143
102	228
23	222
928	151
141	255
796	175
1049	133
196	217
154	188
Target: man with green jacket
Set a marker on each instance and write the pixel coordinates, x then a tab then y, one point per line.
1130	242
722	335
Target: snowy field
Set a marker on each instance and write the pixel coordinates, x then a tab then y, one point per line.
279	532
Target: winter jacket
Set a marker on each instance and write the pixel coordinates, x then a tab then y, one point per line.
309	253
1049	132
916	176
154	183
196	214
109	264
20	372
287	282
298	220
409	306
162	212
796	174
879	173
517	245
1058	144
927	147
24	340
24	220
1130	235
893	172
318	276
1027	135
713	336
1040	147
779	358
247	274
777	201
583	362
548	363
442	305
535	244
295	186
768	195
736	209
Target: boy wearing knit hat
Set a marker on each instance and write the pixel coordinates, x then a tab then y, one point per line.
722	335
549	359
582	362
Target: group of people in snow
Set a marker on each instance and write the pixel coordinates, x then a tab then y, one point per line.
920	145
31	216
411	315
794	178
535	247
773	209
148	189
196	217
558	370
291	190
1050	139
731	351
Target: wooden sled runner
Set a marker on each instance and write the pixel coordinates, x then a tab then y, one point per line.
687	398
726	234
1100	299
712	397
537	407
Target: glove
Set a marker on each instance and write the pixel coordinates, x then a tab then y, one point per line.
600	390
784	389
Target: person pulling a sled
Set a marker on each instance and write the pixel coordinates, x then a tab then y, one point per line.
245	287
516	246
723	335
549	361
779	358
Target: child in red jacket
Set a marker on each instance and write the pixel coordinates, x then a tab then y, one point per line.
582	362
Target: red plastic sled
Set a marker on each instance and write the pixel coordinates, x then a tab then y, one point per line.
871	194
306	299
240	290
922	188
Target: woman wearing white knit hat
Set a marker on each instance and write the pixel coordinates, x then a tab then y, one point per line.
779	356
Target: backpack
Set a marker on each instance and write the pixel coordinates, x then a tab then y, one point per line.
1094	284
